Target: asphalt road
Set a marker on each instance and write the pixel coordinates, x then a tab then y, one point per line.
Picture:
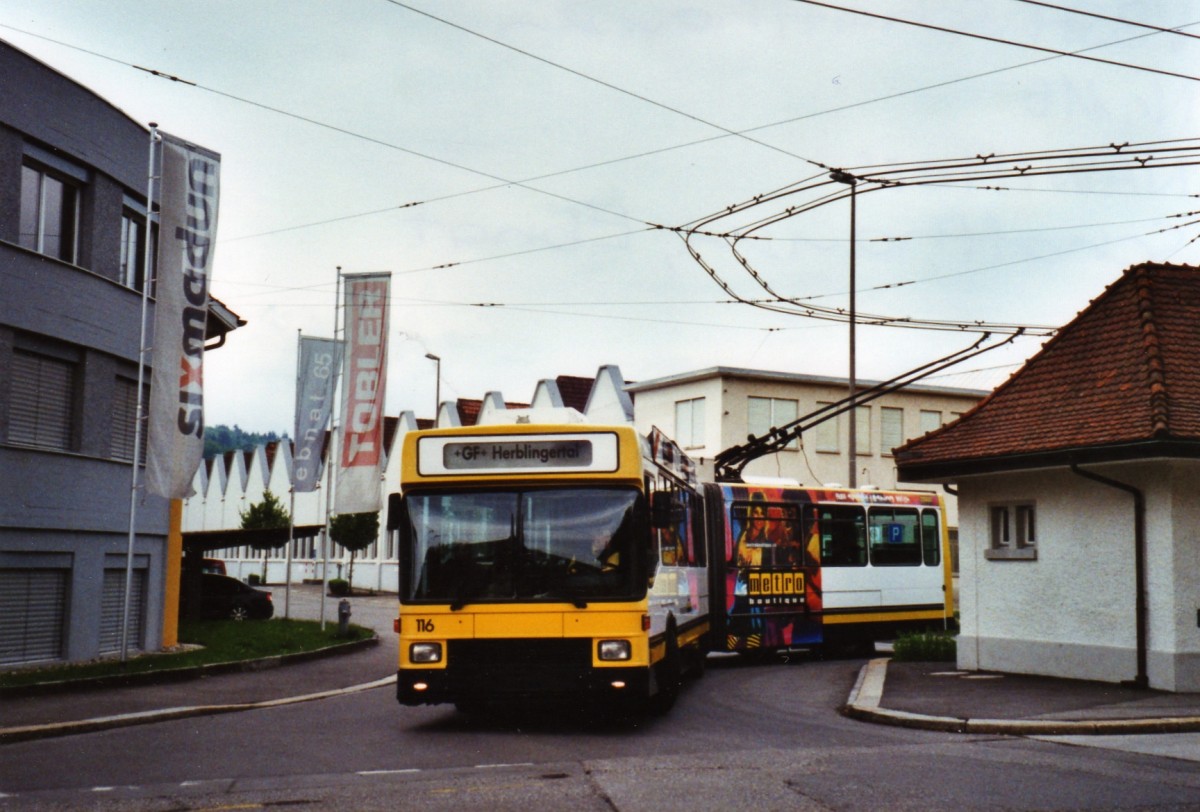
746	736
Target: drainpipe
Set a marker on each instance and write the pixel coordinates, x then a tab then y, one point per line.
1139	565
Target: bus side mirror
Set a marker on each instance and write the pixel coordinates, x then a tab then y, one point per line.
397	522
397	513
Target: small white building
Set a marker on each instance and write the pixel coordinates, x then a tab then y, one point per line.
1079	495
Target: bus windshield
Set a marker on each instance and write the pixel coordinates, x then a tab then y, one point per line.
573	544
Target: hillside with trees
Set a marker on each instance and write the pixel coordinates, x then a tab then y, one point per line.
219	439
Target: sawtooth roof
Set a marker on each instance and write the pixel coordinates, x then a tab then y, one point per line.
1120	381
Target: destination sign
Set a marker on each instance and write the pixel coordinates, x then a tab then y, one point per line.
477	455
520	454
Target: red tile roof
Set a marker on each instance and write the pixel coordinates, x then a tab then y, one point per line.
468	410
390	426
1118	382
575	391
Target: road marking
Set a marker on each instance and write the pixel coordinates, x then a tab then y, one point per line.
502	766
388	772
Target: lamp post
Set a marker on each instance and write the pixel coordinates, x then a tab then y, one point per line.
851	181
437	392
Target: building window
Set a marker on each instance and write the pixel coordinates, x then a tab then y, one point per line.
41	408
1012	531
689	423
35	603
133	246
764	414
862	430
828	436
891	429
49	213
124	419
930	420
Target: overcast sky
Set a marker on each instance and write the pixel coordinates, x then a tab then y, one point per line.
533	146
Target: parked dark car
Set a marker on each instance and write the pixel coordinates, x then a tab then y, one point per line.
225	597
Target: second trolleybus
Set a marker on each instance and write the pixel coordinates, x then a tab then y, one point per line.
832	567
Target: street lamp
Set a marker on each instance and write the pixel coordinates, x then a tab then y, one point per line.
845	177
437	392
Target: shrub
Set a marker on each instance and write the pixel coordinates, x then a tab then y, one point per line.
926	646
339	587
254	579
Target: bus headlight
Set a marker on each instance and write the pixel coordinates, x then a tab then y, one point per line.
425	653
614	650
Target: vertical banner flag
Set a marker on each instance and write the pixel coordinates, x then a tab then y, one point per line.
360	452
320	359
186	236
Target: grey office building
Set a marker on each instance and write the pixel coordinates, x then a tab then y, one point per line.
73	225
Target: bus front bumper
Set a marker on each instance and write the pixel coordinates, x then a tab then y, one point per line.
436	686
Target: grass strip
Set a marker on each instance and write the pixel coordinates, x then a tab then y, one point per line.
203	642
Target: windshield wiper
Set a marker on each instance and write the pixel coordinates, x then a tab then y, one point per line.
463	597
574	600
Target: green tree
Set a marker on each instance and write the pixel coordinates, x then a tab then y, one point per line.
354	531
265	515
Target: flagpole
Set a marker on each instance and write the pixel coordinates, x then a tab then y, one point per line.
287	578
139	412
331	466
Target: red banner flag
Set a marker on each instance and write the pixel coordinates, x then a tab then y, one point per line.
364	378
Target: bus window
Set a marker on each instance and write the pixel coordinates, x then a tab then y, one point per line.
895	537
843	530
539	544
768	535
699	536
931	539
457	541
673	541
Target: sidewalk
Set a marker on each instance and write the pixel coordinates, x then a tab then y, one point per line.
934	696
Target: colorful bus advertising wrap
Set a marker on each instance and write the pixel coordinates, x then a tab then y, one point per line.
360	451
187	234
773	594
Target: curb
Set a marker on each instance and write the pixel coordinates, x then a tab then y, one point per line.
184	674
867	693
31	732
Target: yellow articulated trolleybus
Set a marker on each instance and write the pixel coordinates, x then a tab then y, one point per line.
548	560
